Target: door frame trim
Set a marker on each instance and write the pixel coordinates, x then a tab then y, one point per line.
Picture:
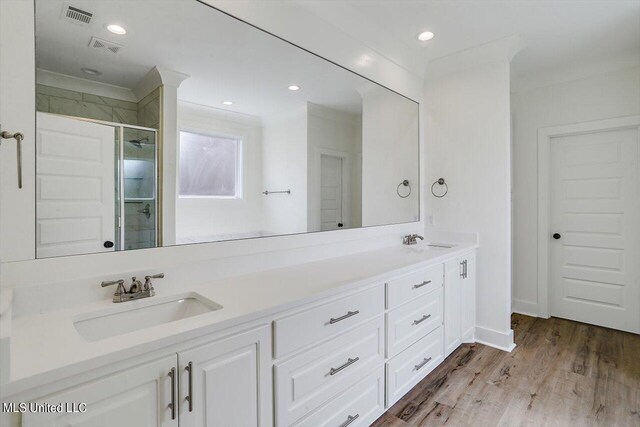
545	135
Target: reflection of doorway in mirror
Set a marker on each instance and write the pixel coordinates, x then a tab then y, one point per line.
331	192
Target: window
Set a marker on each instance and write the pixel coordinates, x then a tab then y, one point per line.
209	166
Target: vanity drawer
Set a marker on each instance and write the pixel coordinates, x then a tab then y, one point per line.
410	322
305	382
412	285
409	367
325	321
362	404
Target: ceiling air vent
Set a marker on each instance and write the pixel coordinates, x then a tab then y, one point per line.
105	45
76	15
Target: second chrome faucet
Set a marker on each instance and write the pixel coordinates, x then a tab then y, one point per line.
137	289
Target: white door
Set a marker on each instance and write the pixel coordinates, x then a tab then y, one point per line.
230	382
139	396
75	186
330	192
595	223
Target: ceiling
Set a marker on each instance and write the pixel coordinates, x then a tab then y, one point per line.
556	33
225	59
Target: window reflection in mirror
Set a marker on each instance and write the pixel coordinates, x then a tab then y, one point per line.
196	127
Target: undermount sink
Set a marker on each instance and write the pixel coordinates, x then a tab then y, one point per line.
429	246
136	315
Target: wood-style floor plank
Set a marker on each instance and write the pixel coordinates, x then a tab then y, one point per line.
562	373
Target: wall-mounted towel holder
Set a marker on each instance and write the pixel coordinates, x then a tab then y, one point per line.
267	192
440	181
18	137
404	183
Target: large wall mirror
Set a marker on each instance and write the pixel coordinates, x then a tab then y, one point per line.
170	122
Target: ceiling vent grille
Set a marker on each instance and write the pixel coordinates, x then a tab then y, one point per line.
76	15
105	45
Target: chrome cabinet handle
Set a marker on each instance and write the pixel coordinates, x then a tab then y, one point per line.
337	319
18	137
350	419
462	269
350	362
425	283
189	398
465	269
421	364
172	405
422	319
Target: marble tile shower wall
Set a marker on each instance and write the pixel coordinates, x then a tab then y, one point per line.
54	100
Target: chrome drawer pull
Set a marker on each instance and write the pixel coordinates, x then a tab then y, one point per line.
337	319
422	319
425	283
421	364
350	361
350	419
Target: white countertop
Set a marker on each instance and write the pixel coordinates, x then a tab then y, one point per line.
46	347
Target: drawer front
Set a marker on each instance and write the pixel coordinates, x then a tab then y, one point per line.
326	321
409	367
413	285
359	406
410	322
305	382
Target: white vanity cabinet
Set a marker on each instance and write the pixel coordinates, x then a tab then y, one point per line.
459	297
226	382
138	396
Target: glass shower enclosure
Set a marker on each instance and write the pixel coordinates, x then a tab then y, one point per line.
137	187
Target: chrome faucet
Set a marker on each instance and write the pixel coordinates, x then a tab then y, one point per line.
137	290
411	239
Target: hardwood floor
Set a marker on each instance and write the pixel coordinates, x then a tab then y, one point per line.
562	373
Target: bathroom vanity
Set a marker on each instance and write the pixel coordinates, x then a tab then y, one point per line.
332	342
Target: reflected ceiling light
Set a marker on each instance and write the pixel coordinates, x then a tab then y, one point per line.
294	87
228	102
116	29
424	36
91	71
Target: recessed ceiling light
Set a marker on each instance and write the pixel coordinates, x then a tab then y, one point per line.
294	87
91	71
424	36
228	102
116	29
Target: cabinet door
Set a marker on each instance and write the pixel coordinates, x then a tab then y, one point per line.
452	305
230	382
468	298
139	396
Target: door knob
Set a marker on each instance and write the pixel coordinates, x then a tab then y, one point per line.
108	244
557	236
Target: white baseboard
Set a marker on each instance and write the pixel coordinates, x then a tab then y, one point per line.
527	308
496	339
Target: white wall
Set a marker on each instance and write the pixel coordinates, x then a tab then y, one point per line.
340	132
214	216
608	95
389	156
285	168
468	143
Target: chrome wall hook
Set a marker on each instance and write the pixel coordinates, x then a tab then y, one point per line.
18	137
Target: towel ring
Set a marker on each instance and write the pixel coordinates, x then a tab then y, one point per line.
406	184
441	182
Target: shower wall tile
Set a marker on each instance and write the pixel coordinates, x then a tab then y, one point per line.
149	110
57	92
111	102
42	103
70	107
120	115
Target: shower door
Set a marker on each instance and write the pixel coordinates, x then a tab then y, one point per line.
139	221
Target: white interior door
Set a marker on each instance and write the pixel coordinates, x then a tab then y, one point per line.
595	220
75	186
331	187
